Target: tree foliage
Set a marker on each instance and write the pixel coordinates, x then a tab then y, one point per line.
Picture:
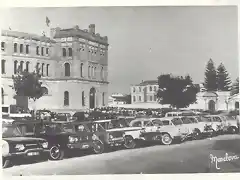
223	80
210	77
177	91
28	84
235	87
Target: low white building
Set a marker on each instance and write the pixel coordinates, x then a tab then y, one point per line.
117	99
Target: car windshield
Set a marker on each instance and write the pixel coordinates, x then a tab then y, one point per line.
117	124
177	121
11	131
217	119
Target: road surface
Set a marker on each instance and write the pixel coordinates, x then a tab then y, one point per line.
188	157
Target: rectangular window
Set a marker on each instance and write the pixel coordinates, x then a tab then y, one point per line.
3	66
3	46
42	51
27	49
21	48
47	51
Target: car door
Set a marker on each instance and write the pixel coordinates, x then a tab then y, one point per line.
187	127
178	124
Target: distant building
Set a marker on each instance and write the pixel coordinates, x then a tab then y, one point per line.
73	64
145	92
117	99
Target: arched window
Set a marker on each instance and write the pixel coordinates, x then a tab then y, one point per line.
83	99
155	98
47	51
42	51
47	70
70	52
45	91
92	72
42	69
21	66
37	67
81	70
2	96
103	97
150	88
139	98
3	66
236	105
155	88
95	72
134	89
139	89
66	98
67	69
89	71
15	66
102	73
64	52
37	50
21	48
3	46
27	49
134	98
27	66
15	47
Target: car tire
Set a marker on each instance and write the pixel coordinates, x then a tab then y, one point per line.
197	134
56	153
232	130
166	139
5	162
129	143
98	147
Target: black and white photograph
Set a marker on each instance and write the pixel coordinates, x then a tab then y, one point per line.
105	90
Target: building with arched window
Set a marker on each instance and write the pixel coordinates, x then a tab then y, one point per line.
66	66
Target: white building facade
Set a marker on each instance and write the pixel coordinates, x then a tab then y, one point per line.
73	64
145	92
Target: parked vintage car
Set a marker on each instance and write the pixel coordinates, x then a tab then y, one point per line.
116	132
15	146
230	124
217	123
64	137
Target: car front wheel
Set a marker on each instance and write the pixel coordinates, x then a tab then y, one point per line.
56	153
129	142
232	130
98	147
166	139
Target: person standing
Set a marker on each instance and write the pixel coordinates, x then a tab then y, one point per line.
238	122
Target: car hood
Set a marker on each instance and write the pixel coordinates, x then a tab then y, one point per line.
23	139
124	129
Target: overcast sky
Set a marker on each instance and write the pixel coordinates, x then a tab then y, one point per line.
147	41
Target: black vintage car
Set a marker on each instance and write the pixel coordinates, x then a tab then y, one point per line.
64	137
15	146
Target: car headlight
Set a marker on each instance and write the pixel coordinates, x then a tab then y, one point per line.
45	145
20	147
71	139
110	136
94	137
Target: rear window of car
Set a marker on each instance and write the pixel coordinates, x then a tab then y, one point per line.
186	120
137	124
177	121
157	122
217	119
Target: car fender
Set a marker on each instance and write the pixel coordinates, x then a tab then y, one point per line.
5	148
134	134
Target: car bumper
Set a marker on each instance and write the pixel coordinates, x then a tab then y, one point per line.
30	153
80	145
116	141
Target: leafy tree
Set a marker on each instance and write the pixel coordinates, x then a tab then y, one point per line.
28	84
210	77
177	91
223	80
235	87
128	99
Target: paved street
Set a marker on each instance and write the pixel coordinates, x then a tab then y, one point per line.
189	157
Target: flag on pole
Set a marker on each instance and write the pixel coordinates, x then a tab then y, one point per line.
47	21
9	28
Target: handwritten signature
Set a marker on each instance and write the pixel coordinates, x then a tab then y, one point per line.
227	158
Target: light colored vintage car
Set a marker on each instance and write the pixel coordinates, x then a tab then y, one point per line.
217	123
164	129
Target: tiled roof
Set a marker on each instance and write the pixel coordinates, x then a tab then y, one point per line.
73	32
148	82
24	35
